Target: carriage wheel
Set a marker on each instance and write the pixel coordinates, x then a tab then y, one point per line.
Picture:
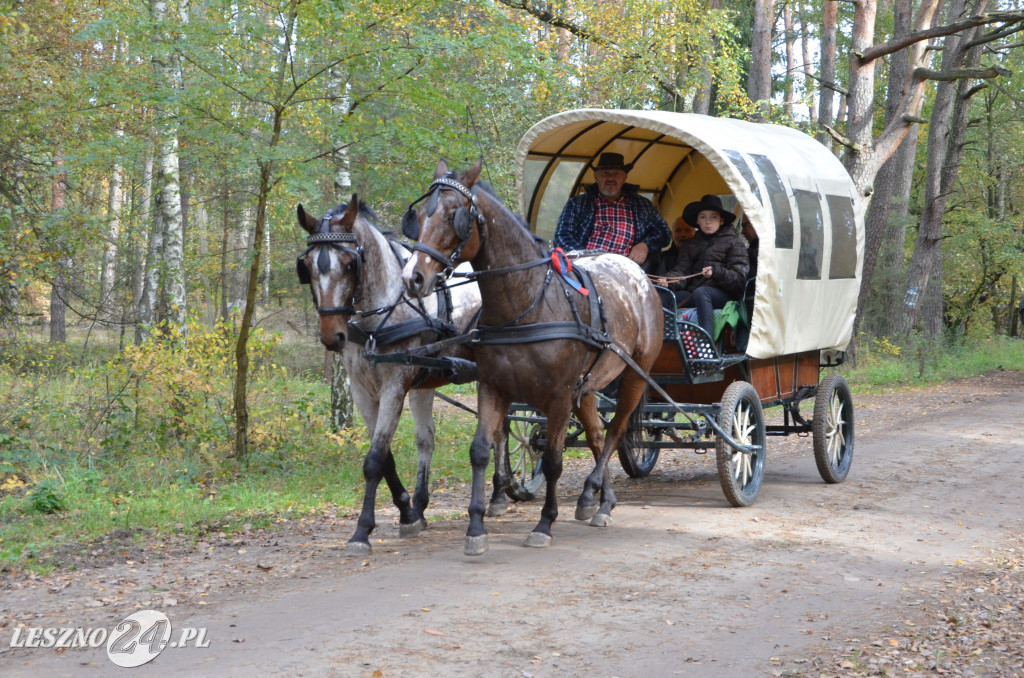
637	458
742	418
522	459
832	429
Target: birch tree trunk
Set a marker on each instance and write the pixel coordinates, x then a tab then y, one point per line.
113	235
168	71
342	411
145	217
149	299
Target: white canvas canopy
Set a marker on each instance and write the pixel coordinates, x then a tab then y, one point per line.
796	193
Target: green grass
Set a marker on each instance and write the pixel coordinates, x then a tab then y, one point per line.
883	366
91	448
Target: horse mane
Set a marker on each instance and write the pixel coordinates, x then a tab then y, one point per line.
364	211
486	187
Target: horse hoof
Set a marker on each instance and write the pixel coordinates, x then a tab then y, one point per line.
412	529
357	549
538	540
475	546
495	510
585	512
601	520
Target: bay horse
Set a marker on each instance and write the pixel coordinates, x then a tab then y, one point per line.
540	339
354	272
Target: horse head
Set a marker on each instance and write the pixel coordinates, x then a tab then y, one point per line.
447	225
332	267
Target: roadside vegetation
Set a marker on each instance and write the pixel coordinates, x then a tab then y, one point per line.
96	439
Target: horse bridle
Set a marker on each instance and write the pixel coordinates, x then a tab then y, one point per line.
462	221
323	263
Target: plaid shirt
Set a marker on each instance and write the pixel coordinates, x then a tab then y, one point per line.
613	226
576	224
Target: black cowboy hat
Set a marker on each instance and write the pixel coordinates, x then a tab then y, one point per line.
612	161
708	202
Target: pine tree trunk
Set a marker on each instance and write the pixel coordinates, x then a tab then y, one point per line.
58	292
948	126
805	45
829	28
759	79
790	28
885	219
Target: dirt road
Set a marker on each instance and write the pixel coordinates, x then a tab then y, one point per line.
680	585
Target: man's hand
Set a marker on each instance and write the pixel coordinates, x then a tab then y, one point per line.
639	252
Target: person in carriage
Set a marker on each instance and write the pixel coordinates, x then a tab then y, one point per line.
659	262
611	215
712	267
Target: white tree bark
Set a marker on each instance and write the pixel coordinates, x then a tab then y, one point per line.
153	276
168	71
115	200
342	411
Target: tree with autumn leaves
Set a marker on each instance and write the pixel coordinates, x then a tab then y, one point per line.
151	155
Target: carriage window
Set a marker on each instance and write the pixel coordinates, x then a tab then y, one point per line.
556	193
844	238
812	235
740	163
780	201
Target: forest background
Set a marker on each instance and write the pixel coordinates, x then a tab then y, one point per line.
152	154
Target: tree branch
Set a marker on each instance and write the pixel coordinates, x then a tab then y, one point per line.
827	85
992	36
961	73
842	140
544	14
876	51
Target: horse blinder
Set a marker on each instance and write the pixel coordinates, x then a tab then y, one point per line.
411	225
302	271
463	223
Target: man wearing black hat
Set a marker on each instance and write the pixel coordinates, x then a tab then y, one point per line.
713	264
611	216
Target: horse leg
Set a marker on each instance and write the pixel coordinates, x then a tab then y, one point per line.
551	464
498	505
630	393
379	463
422	405
491	406
593	427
